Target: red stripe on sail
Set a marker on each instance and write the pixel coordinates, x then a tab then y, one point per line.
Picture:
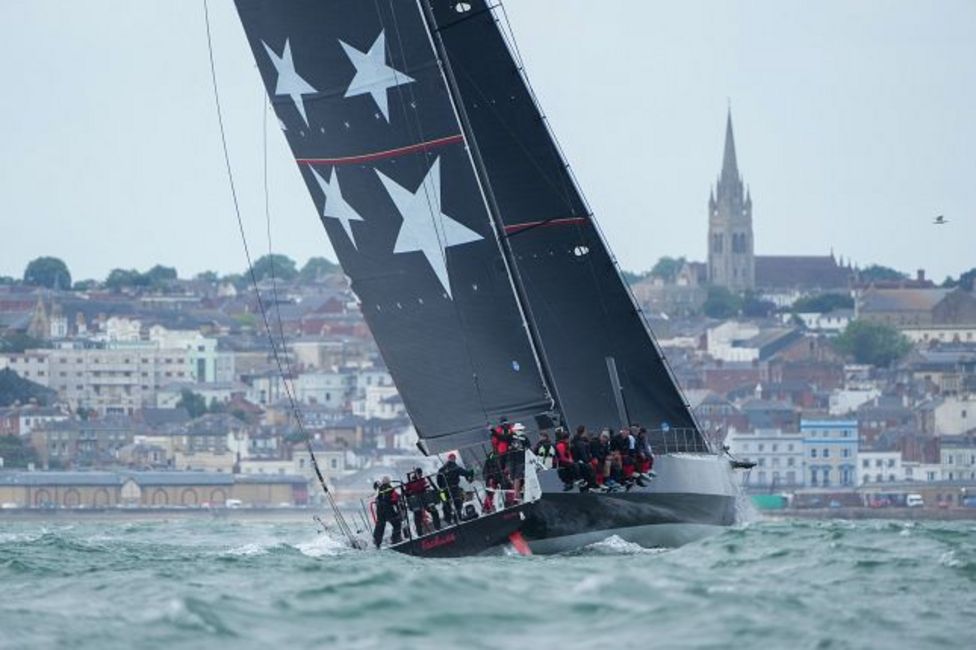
389	153
518	227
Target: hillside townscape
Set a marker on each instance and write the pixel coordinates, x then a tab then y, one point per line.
845	385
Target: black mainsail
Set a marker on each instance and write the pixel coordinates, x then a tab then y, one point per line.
366	110
600	356
482	275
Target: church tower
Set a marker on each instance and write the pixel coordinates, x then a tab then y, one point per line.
731	257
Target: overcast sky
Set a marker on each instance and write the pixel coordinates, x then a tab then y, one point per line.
854	124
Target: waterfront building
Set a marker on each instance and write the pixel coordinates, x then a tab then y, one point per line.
778	456
958	458
880	467
154	489
830	452
201	351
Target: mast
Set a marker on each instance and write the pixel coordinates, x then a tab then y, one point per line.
570	281
484	181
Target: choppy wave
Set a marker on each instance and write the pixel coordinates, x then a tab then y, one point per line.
216	584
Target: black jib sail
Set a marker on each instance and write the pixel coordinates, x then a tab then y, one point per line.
601	358
366	110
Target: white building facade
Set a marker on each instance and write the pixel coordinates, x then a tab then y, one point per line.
778	457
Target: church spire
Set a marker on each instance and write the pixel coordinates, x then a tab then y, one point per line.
730	168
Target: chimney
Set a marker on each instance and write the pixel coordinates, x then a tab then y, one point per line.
920	275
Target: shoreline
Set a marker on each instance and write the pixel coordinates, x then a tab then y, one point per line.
902	514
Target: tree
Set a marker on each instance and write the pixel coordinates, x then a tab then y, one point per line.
216	407
18	342
281	267
160	275
48	272
120	279
872	343
968	279
6	280
721	303
206	276
878	273
633	278
238	281
315	268
15	452
194	403
14	388
755	307
667	268
84	285
822	303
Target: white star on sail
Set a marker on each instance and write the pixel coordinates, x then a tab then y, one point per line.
289	83
373	76
425	228
335	206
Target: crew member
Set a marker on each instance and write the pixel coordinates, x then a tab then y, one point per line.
545	451
564	460
501	439
516	451
449	481
387	511
420	500
581	455
600	450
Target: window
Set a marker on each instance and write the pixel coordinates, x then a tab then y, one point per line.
789	447
866	479
891	462
789	462
762	447
813	476
826	452
846	453
813	454
775	447
865	463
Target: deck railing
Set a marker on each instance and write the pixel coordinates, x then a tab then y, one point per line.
678	441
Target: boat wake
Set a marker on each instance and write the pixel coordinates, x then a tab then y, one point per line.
615	545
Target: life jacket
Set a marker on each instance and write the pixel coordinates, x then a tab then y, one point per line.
416	486
501	437
386	501
563	456
545	452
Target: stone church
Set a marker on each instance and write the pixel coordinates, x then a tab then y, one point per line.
732	262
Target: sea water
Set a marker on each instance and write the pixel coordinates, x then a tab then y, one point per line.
200	583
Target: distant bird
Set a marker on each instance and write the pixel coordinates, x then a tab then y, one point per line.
940	221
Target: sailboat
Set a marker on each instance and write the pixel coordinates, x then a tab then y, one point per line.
480	269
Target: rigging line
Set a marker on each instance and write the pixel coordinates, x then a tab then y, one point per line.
240	224
420	134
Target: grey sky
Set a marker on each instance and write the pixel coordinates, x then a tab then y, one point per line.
854	125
